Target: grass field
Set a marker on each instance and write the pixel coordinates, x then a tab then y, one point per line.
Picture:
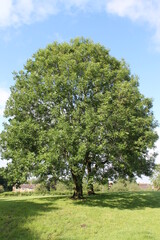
111	216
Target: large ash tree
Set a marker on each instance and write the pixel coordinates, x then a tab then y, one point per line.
76	111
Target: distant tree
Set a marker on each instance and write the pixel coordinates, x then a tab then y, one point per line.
156	177
75	111
123	185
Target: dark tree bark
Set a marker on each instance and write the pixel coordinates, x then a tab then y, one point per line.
78	190
90	178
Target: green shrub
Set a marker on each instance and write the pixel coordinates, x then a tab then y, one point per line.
62	188
124	186
103	188
100	187
1	189
133	187
41	189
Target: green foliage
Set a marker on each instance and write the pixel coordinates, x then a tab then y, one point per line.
3	180
41	189
76	110
98	187
102	188
124	186
62	188
156	177
1	189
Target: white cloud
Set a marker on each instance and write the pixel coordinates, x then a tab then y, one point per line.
4	94
18	12
128	8
145	11
83	5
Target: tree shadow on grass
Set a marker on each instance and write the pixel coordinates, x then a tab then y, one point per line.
127	200
14	214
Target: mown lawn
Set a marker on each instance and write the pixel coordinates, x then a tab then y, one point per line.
111	216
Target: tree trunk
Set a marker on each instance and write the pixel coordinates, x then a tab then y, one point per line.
78	190
90	179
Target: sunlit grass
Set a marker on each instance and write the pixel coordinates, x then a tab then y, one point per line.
111	216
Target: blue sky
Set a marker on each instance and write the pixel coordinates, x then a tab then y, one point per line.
129	28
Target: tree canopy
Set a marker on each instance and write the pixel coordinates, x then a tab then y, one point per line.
3	180
77	111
